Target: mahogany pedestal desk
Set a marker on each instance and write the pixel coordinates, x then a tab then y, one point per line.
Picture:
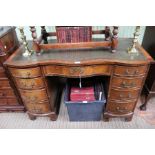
126	72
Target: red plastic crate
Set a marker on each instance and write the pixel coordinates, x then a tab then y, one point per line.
82	94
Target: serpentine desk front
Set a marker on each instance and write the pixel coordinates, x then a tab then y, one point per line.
127	75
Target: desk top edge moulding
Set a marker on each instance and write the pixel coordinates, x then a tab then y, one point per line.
126	71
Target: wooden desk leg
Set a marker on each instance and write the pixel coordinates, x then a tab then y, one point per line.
106	118
128	119
53	117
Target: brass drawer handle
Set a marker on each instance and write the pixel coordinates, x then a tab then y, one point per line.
125	85
2	94
128	96
24	84
136	72
28	86
28	74
76	70
122	110
32	99
32	85
121	96
131	73
127	72
37	110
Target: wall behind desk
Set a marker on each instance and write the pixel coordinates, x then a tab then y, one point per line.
124	31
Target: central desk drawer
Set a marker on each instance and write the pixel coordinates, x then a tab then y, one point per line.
35	83
77	70
26	73
123	94
34	96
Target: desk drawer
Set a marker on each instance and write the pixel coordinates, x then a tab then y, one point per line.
12	101
123	94
35	83
26	73
4	84
34	96
130	71
8	101
3	101
6	93
2	73
78	70
127	83
38	108
120	107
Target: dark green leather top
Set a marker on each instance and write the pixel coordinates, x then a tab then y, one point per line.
75	56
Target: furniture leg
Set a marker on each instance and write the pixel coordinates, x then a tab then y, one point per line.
143	106
32	117
128	119
106	119
53	117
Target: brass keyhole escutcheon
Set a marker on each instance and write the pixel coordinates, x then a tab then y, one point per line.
76	70
28	74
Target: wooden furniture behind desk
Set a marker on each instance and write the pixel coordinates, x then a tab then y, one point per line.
126	72
149	45
9	97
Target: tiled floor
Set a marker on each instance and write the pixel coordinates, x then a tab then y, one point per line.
141	120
